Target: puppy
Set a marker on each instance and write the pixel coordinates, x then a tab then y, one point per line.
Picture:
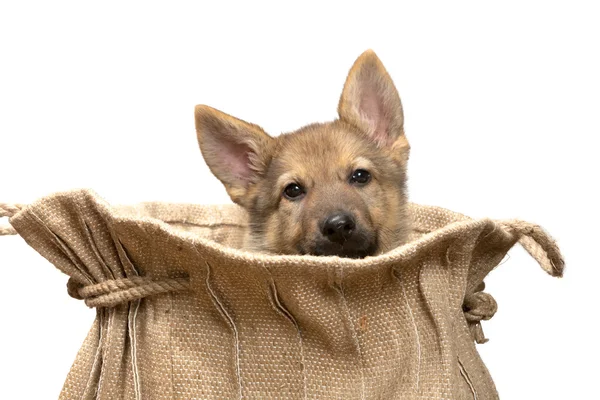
330	189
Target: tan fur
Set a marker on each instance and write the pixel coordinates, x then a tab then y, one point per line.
255	168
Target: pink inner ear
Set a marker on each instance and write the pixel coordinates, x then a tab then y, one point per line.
371	109
235	157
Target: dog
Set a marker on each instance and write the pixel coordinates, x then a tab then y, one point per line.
326	189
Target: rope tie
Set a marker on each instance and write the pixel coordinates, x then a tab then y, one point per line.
477	307
8	210
538	244
117	291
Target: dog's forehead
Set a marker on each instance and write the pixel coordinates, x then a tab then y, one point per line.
320	147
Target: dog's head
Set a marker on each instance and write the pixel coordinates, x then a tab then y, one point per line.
336	188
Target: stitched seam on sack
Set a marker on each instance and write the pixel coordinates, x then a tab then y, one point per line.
170	325
229	319
103	372
412	318
354	335
288	315
465	375
97	357
133	339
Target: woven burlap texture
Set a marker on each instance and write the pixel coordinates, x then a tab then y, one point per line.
182	313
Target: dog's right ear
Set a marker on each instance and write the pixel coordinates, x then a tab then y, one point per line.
236	151
371	103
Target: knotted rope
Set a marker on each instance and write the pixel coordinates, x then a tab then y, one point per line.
8	210
477	307
117	291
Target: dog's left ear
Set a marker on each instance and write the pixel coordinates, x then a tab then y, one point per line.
236	151
371	103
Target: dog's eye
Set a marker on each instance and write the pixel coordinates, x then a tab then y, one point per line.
293	191
360	177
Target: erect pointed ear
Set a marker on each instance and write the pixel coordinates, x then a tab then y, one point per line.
236	151
371	102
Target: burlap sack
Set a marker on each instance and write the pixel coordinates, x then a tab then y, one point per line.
183	314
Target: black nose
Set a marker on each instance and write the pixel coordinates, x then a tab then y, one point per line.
338	227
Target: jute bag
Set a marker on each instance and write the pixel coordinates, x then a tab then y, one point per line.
183	314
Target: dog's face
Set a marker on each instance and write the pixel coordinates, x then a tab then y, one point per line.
336	188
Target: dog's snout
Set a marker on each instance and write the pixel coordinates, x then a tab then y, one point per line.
339	227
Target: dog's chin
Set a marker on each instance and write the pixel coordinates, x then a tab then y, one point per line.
347	250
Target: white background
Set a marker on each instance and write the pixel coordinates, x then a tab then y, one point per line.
501	105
